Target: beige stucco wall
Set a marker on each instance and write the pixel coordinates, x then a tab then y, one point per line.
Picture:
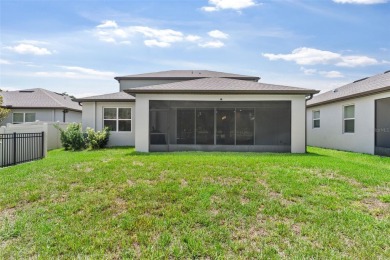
47	115
93	118
297	114
330	134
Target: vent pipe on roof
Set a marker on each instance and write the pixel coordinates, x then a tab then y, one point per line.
387	71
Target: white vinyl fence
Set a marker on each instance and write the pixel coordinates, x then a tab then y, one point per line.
27	142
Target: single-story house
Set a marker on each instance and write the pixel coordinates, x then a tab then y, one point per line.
30	105
184	110
354	117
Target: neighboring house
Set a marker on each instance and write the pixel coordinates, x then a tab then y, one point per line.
184	110
34	104
354	117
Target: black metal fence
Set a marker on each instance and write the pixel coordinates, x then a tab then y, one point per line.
18	148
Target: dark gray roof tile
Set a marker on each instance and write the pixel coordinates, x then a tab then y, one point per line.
220	86
38	98
363	87
118	97
187	74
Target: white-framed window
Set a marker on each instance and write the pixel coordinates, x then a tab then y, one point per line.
316	119
20	118
349	119
118	119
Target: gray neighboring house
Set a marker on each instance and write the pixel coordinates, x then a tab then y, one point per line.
187	110
30	105
354	117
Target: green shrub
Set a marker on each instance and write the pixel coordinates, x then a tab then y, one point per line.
72	138
98	139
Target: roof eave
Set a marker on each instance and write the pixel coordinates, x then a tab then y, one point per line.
357	95
29	107
236	92
183	78
104	100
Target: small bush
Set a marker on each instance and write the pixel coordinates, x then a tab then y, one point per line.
98	139
72	138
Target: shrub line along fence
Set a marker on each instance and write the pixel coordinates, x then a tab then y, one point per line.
27	142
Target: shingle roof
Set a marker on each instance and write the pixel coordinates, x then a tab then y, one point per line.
220	86
364	87
187	74
118	97
38	98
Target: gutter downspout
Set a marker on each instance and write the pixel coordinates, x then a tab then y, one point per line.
307	99
64	115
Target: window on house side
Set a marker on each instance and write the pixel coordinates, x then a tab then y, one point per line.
29	117
20	118
117	119
349	119
316	119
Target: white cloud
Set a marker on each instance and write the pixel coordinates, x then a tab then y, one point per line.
218	34
310	56
164	35
88	71
305	56
332	74
193	38
212	44
155	43
216	5
308	71
107	24
209	8
74	72
4	62
33	42
154	37
355	61
361	2
29	49
326	74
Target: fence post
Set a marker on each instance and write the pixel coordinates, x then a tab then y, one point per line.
14	148
43	144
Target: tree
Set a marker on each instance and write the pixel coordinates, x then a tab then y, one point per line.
3	111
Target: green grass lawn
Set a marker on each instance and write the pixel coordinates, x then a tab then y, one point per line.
115	203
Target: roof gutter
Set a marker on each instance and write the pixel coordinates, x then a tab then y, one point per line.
183	78
235	92
310	97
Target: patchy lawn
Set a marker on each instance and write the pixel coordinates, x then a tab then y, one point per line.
115	203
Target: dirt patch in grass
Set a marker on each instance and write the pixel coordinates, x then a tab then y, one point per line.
331	175
214	212
119	206
183	183
130	183
9	214
224	181
136	163
61	198
250	235
376	207
244	200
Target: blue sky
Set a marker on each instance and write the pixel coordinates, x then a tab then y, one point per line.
79	47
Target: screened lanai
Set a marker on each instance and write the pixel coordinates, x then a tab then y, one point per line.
220	126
